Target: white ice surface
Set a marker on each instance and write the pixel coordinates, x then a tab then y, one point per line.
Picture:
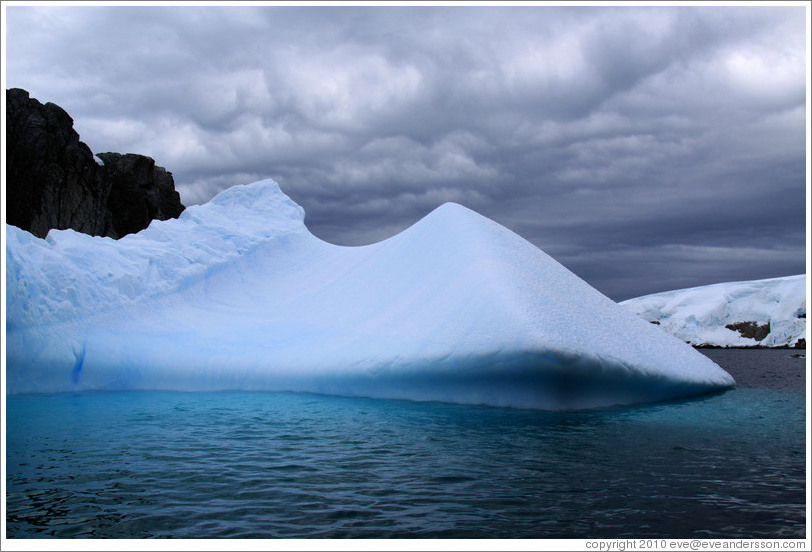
237	294
700	314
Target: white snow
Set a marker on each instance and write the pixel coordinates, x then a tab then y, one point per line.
699	315
237	294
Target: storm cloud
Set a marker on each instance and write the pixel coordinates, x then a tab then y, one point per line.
645	148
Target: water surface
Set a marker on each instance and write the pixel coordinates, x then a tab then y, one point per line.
242	465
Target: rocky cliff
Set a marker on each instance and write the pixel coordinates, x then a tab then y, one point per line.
52	180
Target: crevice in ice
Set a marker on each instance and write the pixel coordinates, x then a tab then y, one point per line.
78	365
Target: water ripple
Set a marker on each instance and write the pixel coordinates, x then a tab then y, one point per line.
276	465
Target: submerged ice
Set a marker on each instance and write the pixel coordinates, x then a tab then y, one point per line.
237	294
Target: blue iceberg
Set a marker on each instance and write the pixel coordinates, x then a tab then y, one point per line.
238	294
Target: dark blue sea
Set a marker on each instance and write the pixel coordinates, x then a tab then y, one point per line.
269	465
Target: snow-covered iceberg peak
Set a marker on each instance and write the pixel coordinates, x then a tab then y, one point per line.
71	275
237	294
261	207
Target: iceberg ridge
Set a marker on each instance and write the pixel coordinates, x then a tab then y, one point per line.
237	294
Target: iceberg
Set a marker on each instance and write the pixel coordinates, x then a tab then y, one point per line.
237	294
754	313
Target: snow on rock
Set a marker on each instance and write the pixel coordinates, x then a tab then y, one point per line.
765	313
237	294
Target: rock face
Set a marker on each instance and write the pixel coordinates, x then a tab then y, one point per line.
139	191
51	176
751	330
52	180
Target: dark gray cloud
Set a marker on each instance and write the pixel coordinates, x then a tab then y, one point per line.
646	148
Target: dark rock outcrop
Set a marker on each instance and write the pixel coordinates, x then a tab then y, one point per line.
140	191
52	180
51	177
751	330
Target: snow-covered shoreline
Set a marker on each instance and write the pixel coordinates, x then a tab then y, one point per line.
768	313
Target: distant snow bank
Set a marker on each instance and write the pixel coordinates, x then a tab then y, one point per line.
238	294
757	313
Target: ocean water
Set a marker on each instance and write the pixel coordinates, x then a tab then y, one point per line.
268	465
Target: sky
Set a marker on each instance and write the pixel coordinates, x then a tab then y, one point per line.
646	148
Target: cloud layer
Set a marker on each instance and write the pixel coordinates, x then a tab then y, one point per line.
645	148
